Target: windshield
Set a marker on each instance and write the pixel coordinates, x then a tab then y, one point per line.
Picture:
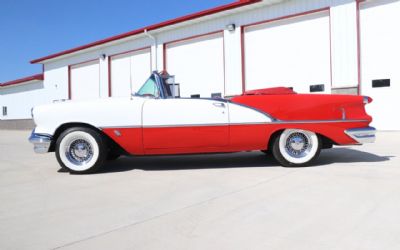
149	88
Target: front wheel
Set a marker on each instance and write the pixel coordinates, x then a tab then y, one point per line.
81	150
296	147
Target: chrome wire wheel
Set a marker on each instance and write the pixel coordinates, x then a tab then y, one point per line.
78	151
298	146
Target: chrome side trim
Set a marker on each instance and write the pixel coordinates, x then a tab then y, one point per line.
116	127
362	135
188	125
317	121
234	124
41	143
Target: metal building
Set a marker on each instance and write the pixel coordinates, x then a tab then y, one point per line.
318	46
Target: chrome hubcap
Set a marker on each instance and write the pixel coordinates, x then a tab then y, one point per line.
298	145
79	152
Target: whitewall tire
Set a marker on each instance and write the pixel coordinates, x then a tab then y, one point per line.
81	150
296	147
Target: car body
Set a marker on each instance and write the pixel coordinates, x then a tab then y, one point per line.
292	127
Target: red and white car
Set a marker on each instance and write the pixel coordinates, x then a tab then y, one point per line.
291	127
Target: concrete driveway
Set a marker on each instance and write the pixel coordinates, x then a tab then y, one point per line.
351	200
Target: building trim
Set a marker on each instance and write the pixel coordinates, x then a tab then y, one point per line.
69	82
110	57
130	51
223	62
358	2
164	57
270	21
84	62
330	48
17	124
242	54
109	75
37	77
182	19
349	87
194	37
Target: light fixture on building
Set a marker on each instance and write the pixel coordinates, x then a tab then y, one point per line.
103	56
231	27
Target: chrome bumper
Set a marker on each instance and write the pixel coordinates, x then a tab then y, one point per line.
41	143
362	135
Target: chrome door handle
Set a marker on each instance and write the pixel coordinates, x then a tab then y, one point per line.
219	104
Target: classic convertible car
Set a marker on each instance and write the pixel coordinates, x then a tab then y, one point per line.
291	127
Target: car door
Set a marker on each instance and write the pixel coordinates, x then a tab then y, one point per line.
185	125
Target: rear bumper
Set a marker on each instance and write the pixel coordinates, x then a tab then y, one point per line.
41	143
362	135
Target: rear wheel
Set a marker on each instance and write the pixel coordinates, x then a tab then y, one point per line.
81	150
296	147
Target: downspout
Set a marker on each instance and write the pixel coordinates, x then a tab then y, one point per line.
155	45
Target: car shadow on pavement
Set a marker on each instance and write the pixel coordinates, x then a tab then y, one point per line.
232	160
185	162
348	155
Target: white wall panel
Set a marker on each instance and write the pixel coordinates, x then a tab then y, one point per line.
20	99
198	65
380	55
56	82
129	71
292	52
85	81
344	45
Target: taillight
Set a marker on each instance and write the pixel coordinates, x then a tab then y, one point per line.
367	99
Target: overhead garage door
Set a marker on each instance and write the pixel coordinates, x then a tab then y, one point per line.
84	81
380	53
198	65
129	71
292	52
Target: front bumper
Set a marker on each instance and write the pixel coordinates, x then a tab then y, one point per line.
41	143
362	135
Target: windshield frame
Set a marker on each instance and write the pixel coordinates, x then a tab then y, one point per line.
163	89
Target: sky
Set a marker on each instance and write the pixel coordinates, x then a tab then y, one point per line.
31	29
